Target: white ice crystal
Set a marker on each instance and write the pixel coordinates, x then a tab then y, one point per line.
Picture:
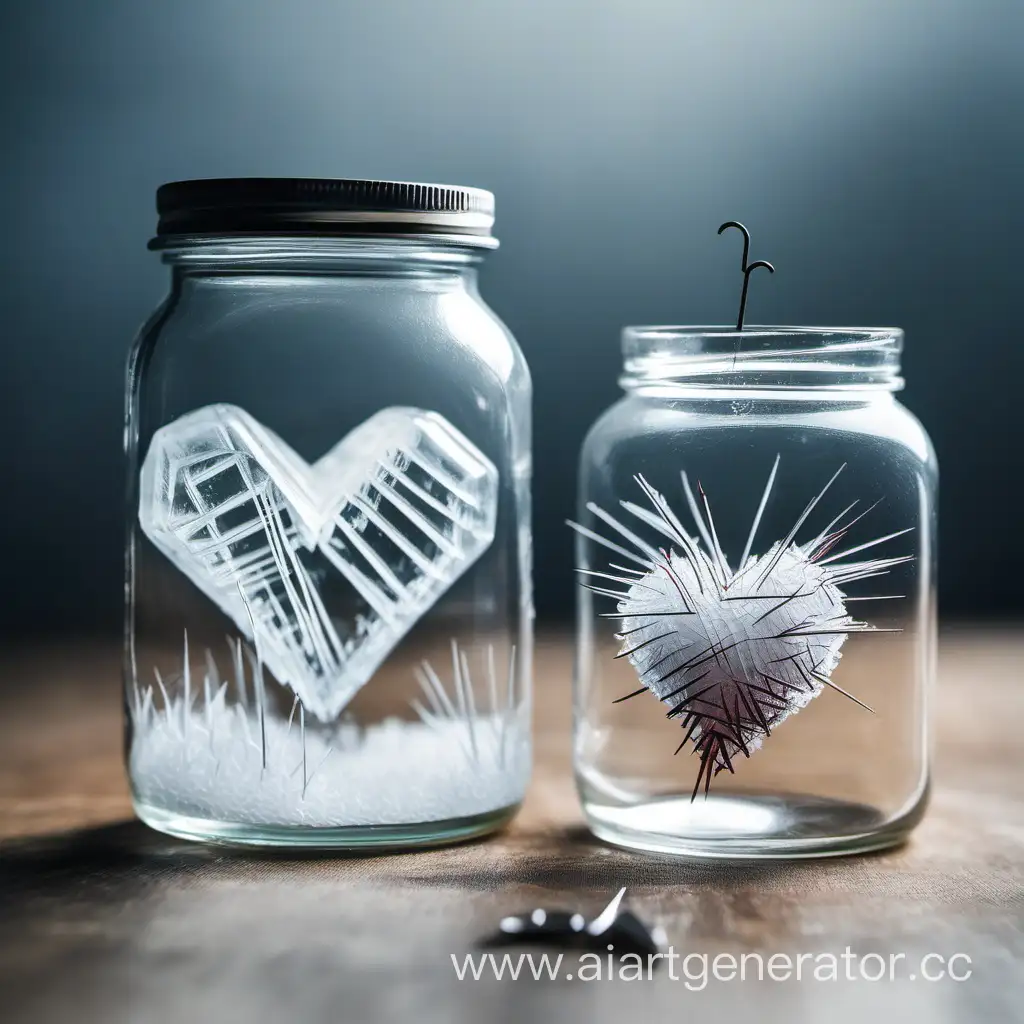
325	567
212	750
733	653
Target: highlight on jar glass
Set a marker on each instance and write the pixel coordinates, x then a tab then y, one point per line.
329	610
756	618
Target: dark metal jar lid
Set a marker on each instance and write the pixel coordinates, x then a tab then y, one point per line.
322	206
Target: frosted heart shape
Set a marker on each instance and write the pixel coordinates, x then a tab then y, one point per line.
324	567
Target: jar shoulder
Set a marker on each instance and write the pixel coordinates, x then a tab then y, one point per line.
325	319
480	327
911	433
640	421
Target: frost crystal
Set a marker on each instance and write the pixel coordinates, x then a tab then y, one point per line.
324	567
733	653
205	745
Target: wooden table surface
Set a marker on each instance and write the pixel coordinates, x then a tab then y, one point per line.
103	920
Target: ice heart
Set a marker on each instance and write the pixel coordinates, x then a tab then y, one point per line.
324	567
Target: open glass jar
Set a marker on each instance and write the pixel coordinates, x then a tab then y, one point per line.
329	613
756	624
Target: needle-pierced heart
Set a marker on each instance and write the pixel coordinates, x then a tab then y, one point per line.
732	652
324	567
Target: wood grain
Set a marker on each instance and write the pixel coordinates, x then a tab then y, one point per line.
102	919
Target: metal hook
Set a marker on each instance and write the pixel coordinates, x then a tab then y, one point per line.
745	268
746	241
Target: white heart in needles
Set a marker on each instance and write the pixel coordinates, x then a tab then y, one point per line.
732	652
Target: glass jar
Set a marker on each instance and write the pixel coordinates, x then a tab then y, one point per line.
329	611
756	621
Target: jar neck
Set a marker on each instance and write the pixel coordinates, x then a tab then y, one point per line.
371	256
790	364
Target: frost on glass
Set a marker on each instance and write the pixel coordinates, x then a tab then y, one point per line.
324	567
208	747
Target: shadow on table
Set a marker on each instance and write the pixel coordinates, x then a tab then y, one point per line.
571	858
114	848
128	853
129	845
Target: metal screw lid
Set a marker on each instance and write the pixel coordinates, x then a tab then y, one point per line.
322	206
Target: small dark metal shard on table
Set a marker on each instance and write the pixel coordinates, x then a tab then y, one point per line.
622	930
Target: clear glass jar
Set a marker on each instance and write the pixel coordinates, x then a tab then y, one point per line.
328	599
756	542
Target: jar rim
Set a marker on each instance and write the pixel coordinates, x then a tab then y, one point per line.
243	243
759	357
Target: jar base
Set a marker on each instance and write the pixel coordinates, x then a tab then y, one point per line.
364	838
746	826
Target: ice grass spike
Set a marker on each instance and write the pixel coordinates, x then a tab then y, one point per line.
216	745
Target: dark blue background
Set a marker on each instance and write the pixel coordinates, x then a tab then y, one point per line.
874	148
